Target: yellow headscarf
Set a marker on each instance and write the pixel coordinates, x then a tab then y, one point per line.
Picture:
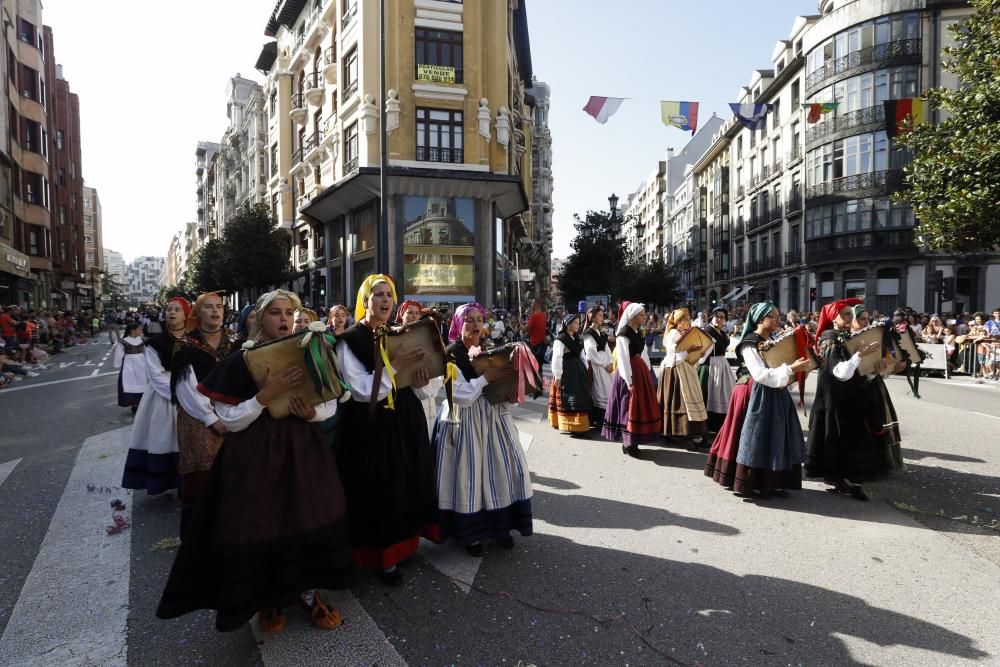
194	317
365	291
677	317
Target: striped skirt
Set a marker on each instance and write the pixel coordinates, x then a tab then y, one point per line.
483	482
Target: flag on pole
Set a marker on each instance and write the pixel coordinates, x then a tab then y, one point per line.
683	115
753	116
602	108
817	109
896	112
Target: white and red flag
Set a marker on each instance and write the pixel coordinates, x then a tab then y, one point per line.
602	108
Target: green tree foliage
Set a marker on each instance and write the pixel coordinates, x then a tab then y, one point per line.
255	250
588	269
165	292
210	270
953	182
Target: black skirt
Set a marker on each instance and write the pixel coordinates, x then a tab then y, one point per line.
269	525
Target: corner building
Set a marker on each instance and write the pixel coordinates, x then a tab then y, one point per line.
459	133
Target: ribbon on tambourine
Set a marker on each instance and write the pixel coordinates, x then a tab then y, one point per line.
320	357
382	363
526	367
803	344
450	375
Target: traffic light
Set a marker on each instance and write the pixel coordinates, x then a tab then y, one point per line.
937	282
812	293
948	289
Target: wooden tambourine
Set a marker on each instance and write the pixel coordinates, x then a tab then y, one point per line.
425	335
322	377
694	337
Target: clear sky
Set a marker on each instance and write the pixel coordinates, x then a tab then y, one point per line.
152	78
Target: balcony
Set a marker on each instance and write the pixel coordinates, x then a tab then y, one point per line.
303	254
431	154
855	122
864	245
349	14
794	155
793	258
765	172
775	213
350	90
313	147
738	229
739	270
330	64
298	112
315	89
741	191
776	167
350	166
755	221
899	52
869	184
793	204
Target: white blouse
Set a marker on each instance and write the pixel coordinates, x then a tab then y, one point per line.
593	356
671	357
776	378
240	416
623	366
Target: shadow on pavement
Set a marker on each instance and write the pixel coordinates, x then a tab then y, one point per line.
917	454
696	614
553	483
580	511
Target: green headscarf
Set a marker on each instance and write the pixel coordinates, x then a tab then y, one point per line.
754	317
858	309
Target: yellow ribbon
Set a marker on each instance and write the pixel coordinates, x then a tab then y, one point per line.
383	349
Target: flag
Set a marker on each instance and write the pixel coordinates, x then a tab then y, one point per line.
683	115
603	108
817	109
896	112
753	116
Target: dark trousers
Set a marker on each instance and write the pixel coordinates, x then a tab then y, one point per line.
539	352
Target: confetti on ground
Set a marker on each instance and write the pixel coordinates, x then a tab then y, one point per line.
166	544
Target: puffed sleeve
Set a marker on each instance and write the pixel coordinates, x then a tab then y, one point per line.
357	376
558	350
671	356
844	370
159	378
119	355
776	378
238	417
466	392
195	403
622	364
431	390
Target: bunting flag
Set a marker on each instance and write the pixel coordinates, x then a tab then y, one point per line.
896	112
603	108
683	115
817	109
753	116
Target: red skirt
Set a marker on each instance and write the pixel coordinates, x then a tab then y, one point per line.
633	417
721	463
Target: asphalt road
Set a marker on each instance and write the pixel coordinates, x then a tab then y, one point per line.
632	562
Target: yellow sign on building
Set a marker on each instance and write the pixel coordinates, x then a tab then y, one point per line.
436	73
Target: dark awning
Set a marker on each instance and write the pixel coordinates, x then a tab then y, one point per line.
522	44
285	13
268	54
506	191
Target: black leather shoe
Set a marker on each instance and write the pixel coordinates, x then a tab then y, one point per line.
393	578
475	549
507	542
632	451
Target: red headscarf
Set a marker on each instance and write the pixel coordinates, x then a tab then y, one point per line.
404	306
621	308
830	312
184	303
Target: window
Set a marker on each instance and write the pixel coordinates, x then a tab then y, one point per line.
90	256
351	73
29	83
64	250
442	48
776	114
60	140
274	159
351	147
439	135
26	32
62	177
32	136
350	8
795	94
739	147
86	201
33	242
62	215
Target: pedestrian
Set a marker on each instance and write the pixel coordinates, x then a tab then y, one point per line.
383	452
269	528
111	321
679	391
200	430
95	325
151	462
483	481
570	400
244	323
842	448
536	330
716	375
633	416
336	321
600	363
129	357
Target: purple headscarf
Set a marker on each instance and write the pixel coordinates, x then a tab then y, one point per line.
458	319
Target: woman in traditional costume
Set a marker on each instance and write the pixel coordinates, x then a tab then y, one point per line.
270	526
244	323
199	429
715	374
633	416
887	428
570	401
130	357
411	311
483	482
845	440
600	361
336	321
679	392
759	447
383	450
151	463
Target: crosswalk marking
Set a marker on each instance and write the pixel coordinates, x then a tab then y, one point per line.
73	607
6	469
452	561
50	382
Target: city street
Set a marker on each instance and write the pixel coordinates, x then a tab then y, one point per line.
633	562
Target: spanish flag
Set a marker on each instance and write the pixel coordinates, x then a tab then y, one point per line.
896	112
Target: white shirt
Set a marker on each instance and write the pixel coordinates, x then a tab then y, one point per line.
671	357
240	416
623	366
776	378
195	403
595	357
360	380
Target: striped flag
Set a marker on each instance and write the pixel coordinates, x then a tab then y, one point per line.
683	115
817	109
603	108
753	116
896	112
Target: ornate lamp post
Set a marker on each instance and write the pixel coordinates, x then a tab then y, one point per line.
613	232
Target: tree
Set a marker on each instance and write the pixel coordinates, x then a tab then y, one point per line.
257	250
589	269
953	182
211	269
653	284
165	292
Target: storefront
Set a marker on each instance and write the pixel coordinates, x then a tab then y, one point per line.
16	282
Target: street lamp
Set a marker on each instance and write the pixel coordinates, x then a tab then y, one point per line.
613	203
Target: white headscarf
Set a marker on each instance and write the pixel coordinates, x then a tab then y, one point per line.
631	311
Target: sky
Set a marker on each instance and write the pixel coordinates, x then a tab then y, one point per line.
152	84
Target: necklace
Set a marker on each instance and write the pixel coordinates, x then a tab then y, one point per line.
210	332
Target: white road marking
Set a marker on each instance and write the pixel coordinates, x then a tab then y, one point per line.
82	566
983	414
526	439
45	384
452	561
7	468
65	364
